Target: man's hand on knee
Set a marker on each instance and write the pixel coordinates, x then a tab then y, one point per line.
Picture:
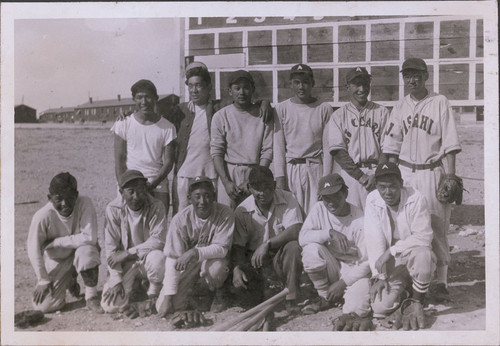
41	292
187	258
110	296
239	278
377	287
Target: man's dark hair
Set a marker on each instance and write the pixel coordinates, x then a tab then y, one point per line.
144	85
61	183
199	72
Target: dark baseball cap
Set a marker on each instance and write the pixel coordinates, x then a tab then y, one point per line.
130	175
198	180
234	76
259	175
330	184
387	168
414	64
357	72
62	183
301	68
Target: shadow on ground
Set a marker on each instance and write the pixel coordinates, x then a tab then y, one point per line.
467	215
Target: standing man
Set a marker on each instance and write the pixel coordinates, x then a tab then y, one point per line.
423	135
356	134
300	139
197	244
62	241
334	251
265	239
240	140
399	235
135	230
143	142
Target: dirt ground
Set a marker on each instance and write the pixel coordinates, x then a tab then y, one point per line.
86	151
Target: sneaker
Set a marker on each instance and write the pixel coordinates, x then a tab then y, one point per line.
94	305
319	304
74	289
439	293
220	302
291	307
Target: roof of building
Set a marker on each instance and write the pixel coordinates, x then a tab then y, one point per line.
23	105
127	101
58	110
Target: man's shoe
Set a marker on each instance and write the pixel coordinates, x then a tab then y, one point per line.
439	293
291	307
94	305
319	304
220	302
74	289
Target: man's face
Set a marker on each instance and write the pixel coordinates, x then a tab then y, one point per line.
241	91
64	201
199	90
302	85
389	187
415	80
145	101
263	192
135	194
359	89
202	198
334	202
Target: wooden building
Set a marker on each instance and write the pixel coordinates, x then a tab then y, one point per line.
24	114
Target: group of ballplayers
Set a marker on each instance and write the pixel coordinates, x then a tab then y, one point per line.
370	239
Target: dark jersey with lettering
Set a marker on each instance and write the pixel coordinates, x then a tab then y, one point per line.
421	132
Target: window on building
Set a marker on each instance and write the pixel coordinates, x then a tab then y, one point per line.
319	44
454	81
352	43
284	91
479	82
323	83
201	44
260	47
454	39
385	83
289	44
230	42
419	40
479	38
385	42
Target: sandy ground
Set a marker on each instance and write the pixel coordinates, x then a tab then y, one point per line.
87	152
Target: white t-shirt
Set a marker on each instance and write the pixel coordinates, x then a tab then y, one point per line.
145	143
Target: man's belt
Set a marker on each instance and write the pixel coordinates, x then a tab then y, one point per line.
243	164
304	160
419	167
367	164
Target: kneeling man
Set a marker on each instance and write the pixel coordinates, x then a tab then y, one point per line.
134	237
399	236
198	241
62	242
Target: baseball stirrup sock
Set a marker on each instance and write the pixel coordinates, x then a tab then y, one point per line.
442	274
320	282
90	292
420	287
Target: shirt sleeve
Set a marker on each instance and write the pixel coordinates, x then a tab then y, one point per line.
293	213
449	141
218	144
113	243
37	236
373	226
313	231
119	128
327	157
222	239
86	232
393	133
279	145
267	143
240	236
170	134
337	140
157	221
178	239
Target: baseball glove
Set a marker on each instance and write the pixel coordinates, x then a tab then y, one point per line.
28	318
411	315
354	322
189	319
450	189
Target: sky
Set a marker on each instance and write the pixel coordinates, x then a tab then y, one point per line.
60	62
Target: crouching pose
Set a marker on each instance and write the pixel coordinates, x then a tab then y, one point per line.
198	241
134	238
334	252
62	242
399	236
265	240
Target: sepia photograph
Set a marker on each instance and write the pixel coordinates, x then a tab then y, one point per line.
250	173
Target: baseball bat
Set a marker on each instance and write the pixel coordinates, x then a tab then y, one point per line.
228	324
249	322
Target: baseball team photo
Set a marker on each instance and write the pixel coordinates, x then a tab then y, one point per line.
184	172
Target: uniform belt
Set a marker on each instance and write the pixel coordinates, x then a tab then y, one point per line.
419	167
243	164
304	160
367	164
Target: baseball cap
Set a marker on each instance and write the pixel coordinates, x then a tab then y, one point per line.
198	180
234	76
195	64
387	168
330	184
414	64
260	174
61	183
130	175
357	72
301	68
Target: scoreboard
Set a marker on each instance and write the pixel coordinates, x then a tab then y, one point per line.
268	47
